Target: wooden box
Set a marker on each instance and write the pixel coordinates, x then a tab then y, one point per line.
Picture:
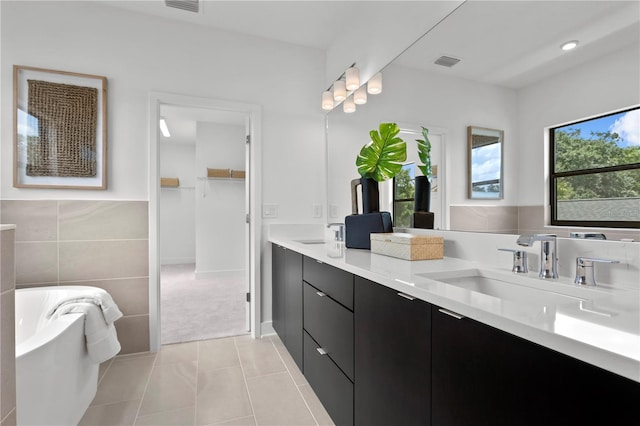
408	246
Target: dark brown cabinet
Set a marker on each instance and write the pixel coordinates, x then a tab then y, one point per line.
287	300
484	376
376	356
329	383
392	357
328	337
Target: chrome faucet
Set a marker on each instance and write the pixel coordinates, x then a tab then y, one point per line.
338	229
548	250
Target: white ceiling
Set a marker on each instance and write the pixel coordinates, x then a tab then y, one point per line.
314	24
515	43
508	43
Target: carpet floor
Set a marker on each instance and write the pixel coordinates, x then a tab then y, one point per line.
198	309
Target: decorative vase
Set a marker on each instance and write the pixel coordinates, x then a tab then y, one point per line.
422	199
422	217
370	195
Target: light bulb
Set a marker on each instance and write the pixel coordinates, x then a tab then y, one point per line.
163	128
374	86
353	78
360	97
569	45
348	106
327	100
339	91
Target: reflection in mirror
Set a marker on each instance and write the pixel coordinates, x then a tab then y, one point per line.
485	163
512	75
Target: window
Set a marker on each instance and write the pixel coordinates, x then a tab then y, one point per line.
403	193
595	171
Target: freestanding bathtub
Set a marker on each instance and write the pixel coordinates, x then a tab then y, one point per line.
55	378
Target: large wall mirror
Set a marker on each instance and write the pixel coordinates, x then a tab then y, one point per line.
511	75
484	162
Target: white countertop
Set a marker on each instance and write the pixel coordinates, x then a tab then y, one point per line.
599	325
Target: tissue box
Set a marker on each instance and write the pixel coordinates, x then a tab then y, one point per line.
408	246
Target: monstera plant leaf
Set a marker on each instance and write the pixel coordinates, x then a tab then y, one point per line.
382	158
424	153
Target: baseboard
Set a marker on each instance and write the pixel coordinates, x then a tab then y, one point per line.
177	261
266	328
208	275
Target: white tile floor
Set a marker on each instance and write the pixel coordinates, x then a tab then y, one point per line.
228	381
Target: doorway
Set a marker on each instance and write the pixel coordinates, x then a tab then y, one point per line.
203	278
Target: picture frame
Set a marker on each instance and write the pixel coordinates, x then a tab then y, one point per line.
60	129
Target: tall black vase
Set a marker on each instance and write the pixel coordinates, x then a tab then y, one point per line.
422	199
370	195
422	217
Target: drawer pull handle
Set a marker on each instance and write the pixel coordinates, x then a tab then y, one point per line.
317	261
321	351
451	314
321	294
406	296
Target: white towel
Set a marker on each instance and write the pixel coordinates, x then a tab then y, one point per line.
100	311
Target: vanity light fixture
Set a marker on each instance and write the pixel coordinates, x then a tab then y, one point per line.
570	45
327	100
163	128
360	96
348	105
374	86
347	89
352	78
339	91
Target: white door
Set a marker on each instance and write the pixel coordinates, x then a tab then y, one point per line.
247	227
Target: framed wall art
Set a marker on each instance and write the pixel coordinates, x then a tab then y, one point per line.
60	129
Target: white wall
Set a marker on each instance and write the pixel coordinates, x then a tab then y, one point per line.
177	205
594	88
382	32
220	223
139	54
432	100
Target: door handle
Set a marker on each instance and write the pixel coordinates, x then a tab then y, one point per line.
406	296
321	351
451	314
321	294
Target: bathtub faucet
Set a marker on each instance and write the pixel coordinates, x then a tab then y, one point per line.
548	251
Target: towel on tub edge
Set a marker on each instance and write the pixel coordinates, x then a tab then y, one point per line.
100	311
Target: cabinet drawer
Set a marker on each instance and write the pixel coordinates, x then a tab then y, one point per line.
332	387
333	281
331	325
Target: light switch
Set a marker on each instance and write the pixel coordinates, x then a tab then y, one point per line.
270	210
317	210
333	211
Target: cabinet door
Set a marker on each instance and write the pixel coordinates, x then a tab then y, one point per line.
278	272
332	387
392	357
331	325
293	306
484	376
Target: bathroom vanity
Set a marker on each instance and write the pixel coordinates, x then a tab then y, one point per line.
387	341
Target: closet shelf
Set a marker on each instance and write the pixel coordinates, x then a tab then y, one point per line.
169	182
225	174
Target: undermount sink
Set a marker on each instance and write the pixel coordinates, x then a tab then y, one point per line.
310	241
500	286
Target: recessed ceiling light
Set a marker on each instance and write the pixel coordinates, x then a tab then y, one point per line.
569	45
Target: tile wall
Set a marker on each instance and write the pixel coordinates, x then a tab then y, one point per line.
98	243
7	329
519	220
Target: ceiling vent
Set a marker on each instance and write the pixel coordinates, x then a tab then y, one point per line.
188	5
446	61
